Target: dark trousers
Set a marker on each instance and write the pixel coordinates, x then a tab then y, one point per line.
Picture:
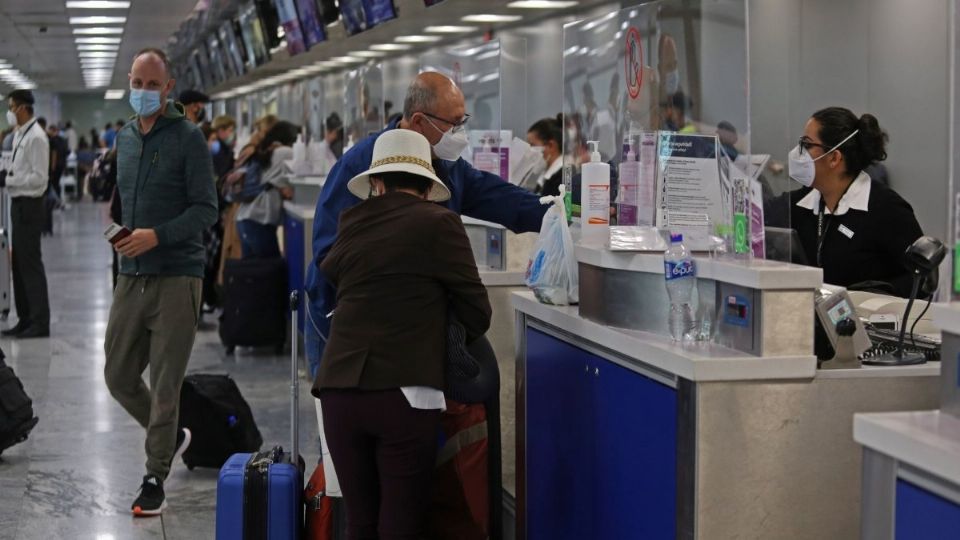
257	240
384	452
29	277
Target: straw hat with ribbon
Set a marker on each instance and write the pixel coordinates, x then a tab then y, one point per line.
403	151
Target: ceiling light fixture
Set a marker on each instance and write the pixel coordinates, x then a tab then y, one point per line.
542	4
98	31
98	19
85	47
97	40
345	60
115	94
367	54
491	18
97	54
417	39
97	4
449	29
388	47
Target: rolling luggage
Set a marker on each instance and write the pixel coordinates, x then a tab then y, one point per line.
16	409
259	496
254	303
219	420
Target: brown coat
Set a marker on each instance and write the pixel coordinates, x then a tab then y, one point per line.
398	264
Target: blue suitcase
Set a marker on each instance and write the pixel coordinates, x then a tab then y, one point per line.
259	495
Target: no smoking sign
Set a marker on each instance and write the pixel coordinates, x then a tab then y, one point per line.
633	62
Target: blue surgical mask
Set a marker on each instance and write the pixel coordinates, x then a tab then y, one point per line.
144	102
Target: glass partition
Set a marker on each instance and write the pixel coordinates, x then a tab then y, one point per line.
662	89
362	103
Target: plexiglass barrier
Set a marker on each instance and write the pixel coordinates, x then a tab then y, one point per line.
663	90
363	103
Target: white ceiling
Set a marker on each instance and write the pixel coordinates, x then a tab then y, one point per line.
49	58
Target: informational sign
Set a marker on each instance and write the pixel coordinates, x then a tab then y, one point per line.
757	234
633	62
689	199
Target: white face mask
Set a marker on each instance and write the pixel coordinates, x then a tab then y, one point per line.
12	118
451	144
800	166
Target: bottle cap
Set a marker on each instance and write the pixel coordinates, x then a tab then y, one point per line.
676	238
594	152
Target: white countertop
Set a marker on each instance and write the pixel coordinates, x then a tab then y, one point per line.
494	278
299	211
946	317
754	274
930	369
927	440
692	361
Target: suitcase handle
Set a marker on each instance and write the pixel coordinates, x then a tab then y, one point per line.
294	380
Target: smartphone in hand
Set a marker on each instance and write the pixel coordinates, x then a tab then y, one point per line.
115	233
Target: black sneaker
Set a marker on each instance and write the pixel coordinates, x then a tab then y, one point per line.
151	500
183	441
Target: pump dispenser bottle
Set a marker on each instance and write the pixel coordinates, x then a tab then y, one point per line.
595	199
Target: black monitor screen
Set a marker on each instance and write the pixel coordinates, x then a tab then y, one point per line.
232	49
217	59
360	15
253	38
269	21
329	10
287	13
310	22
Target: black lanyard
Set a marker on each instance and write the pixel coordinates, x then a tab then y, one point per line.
20	142
821	229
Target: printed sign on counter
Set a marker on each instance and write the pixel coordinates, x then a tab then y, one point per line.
689	199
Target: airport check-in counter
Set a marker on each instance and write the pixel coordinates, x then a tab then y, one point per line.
623	433
911	459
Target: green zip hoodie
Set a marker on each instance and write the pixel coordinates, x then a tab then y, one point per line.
166	184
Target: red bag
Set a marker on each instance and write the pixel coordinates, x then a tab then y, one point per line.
318	520
460	507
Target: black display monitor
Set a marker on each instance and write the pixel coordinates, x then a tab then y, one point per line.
310	22
232	49
360	15
253	38
329	11
292	32
269	21
218	60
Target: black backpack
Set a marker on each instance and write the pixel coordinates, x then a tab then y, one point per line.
219	419
16	408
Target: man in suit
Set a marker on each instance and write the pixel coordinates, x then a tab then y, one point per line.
399	263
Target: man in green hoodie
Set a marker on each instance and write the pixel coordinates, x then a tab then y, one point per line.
165	181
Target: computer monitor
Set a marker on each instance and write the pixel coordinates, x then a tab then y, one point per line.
784	245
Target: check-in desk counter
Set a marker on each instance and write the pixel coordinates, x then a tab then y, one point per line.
911	459
623	433
502	258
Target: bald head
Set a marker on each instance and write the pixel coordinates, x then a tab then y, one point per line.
433	105
151	71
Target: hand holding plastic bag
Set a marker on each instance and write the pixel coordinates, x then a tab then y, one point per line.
552	270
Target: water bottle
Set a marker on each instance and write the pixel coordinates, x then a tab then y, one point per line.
680	272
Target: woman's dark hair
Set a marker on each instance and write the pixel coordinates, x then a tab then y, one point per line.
394	181
868	146
282	132
549	129
333	122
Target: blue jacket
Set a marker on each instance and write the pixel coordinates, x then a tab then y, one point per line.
474	193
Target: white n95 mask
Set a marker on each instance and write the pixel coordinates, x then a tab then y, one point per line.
451	145
800	166
11	119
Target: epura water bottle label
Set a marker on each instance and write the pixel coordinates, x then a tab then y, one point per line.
681	269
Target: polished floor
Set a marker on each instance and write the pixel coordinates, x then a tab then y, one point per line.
77	474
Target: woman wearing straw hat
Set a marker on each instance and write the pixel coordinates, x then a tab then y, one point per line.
399	264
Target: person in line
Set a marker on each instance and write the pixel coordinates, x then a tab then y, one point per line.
433	107
27	181
852	226
73	143
58	164
94	138
108	137
548	135
333	139
85	158
399	263
167	195
257	220
194	105
221	147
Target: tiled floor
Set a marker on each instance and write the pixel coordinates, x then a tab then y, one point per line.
79	471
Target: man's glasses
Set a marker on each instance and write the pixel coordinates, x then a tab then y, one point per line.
456	125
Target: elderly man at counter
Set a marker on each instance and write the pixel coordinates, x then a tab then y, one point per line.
435	108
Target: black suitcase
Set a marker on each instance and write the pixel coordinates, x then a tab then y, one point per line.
16	408
219	419
254	303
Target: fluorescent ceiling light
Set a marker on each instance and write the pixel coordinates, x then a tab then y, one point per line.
326	64
98	47
98	40
417	39
115	94
97	54
345	60
391	47
97	62
98	31
367	54
449	29
490	18
98	19
542	4
97	4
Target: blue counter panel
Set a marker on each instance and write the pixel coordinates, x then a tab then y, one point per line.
601	451
293	243
922	515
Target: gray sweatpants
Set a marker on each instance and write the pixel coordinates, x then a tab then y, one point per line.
153	321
